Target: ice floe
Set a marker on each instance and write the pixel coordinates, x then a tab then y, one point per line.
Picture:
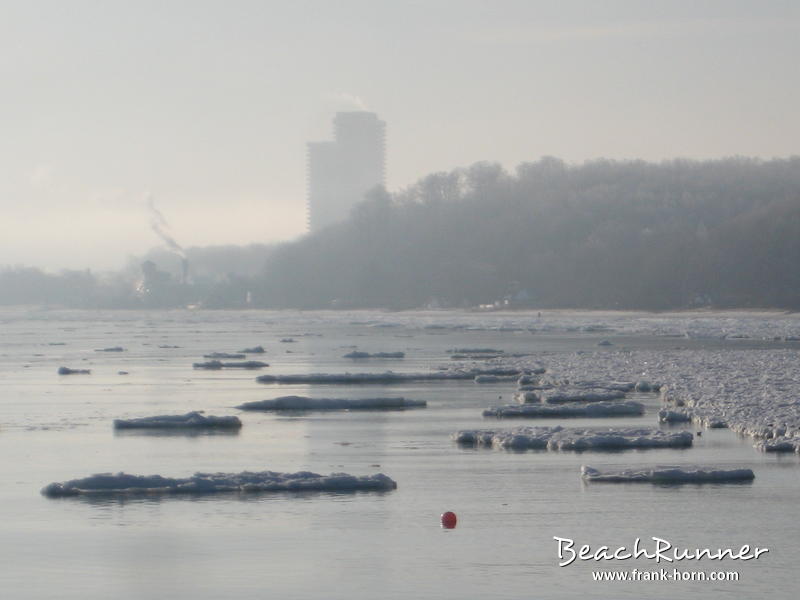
564	395
192	420
385	377
68	371
592	439
574	438
225	355
667	475
781	444
254	350
363	355
617	386
591	410
305	403
215	365
527	397
666	415
207	483
646	386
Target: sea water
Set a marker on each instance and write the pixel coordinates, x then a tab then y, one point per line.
363	545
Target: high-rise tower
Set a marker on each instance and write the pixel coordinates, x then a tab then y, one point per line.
340	172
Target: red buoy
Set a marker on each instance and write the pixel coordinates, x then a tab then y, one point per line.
449	520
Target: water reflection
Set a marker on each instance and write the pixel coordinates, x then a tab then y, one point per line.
110	499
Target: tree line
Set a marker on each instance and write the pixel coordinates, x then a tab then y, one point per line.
604	234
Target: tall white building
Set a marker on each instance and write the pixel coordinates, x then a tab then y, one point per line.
341	171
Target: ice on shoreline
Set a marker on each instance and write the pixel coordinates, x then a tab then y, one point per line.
208	483
572	438
734	325
304	403
667	475
753	392
192	420
591	410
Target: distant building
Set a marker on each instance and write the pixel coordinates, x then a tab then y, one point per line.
341	171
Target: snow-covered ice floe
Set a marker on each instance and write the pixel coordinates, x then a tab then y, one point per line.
355	354
564	395
573	438
253	350
386	377
192	420
226	355
646	386
667	475
208	483
304	403
591	410
779	444
215	365
619	386
68	371
527	397
666	415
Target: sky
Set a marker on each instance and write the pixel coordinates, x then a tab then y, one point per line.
203	108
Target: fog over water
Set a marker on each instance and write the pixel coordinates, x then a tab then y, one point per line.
283	283
510	504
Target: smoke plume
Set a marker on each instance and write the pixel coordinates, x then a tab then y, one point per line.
160	227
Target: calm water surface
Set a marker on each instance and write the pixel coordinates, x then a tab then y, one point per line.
367	545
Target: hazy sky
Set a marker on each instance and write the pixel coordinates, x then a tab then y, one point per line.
207	105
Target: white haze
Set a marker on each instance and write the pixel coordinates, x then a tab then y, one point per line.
208	105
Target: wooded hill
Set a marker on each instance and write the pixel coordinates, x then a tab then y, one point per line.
605	234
